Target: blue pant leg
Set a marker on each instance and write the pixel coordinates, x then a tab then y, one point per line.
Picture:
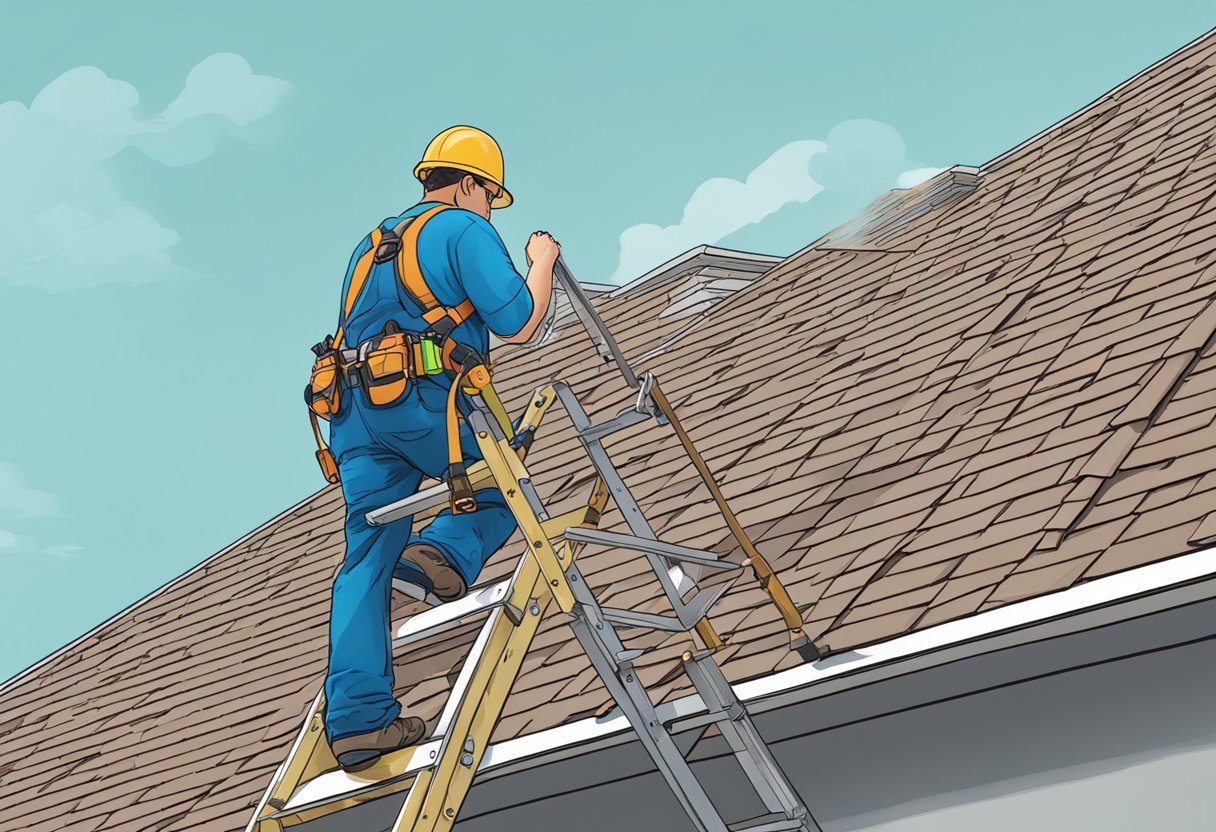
467	540
359	684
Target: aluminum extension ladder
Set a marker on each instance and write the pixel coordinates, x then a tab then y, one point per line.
438	773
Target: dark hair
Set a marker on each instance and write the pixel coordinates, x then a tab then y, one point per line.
438	178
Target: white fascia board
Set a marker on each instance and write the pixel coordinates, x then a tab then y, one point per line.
783	688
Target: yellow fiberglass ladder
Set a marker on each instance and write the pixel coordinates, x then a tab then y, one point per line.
438	773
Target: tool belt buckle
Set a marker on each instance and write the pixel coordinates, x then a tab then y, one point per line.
362	373
351	376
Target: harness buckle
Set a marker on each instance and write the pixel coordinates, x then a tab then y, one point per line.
389	248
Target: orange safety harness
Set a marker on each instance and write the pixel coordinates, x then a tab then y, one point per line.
384	365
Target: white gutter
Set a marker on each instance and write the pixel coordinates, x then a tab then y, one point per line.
783	688
1011	625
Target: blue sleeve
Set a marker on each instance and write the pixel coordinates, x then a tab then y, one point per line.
489	279
360	250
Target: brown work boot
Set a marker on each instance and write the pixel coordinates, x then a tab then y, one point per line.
361	750
446	581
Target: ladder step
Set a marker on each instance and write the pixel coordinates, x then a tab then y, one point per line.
448	616
671	551
774	822
625	419
643	620
685	619
416	592
429	498
338	786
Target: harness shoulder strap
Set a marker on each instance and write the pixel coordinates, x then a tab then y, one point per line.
442	319
363	267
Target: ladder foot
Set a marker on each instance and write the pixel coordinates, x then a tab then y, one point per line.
806	649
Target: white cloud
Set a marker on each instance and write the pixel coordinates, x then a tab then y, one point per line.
22	500
859	157
64	223
63	550
721	206
14	546
912	178
224	85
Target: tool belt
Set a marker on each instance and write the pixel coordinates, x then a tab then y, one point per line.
381	366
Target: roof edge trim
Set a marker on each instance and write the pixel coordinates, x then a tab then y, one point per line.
13	681
997	161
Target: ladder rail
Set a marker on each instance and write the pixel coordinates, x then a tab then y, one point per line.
601	644
597	330
470	717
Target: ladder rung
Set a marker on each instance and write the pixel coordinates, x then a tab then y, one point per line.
428	498
774	822
333	786
687	618
448	616
643	620
436	495
626	418
671	551
416	592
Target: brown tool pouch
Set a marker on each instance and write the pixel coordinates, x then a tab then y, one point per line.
385	369
322	393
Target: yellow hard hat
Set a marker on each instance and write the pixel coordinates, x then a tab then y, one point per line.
468	149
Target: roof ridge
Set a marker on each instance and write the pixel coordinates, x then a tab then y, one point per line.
675	267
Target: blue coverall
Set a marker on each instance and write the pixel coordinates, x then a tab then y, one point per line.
384	452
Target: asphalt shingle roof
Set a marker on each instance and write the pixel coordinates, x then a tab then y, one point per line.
959	405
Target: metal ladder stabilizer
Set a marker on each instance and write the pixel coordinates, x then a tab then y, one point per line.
438	773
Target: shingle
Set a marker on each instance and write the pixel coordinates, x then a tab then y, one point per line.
1205	533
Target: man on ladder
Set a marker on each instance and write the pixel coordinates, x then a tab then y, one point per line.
421	293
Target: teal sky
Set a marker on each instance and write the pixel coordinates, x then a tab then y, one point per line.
181	185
